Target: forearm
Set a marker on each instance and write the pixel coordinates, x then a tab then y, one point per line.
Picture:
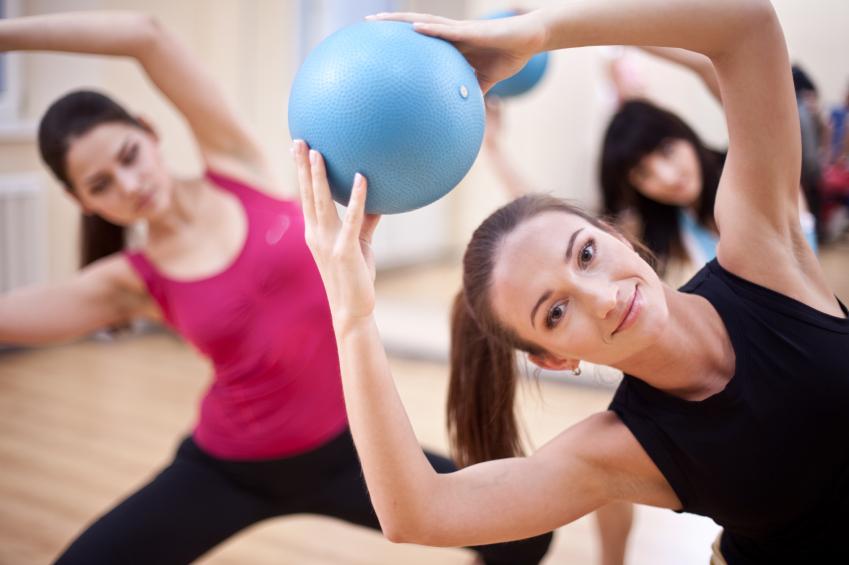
504	170
485	503
710	27
100	33
695	62
395	468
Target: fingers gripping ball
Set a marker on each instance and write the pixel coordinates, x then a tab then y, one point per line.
527	78
402	108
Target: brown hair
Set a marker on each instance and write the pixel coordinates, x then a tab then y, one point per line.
481	416
68	118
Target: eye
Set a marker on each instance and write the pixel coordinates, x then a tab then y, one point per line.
666	147
587	253
555	314
131	155
98	187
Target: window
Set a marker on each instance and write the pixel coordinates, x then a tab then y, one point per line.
9	72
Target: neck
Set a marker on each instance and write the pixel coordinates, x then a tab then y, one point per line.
693	357
176	216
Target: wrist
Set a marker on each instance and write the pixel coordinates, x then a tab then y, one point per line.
539	22
350	325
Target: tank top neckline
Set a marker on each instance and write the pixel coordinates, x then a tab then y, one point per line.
216	179
731	391
756	292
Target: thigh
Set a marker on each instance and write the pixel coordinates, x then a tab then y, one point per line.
183	512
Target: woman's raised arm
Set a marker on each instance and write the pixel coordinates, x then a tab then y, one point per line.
757	204
584	468
175	71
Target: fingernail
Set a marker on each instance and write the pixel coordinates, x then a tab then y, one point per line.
358	179
313	156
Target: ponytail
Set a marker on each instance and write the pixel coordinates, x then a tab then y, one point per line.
482	423
481	417
99	238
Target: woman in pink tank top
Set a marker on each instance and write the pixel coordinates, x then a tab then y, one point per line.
225	266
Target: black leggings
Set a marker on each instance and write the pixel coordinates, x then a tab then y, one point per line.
199	501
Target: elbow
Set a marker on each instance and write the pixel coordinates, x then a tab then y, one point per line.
395	533
399	526
757	15
745	21
408	527
418	532
418	536
149	33
398	530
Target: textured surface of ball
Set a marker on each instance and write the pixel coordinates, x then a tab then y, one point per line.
402	108
527	78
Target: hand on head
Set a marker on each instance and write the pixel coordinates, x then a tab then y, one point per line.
497	49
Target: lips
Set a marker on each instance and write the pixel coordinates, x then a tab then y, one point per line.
144	201
630	313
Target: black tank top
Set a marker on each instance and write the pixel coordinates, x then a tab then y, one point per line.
768	456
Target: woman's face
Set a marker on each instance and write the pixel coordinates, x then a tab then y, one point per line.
577	291
117	172
671	174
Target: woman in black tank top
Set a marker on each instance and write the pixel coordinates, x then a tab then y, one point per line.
736	393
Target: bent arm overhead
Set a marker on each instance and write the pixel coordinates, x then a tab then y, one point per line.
699	64
169	64
744	41
585	467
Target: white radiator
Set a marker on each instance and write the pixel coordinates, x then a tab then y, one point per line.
23	231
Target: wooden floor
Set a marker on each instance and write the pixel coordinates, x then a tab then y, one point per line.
83	425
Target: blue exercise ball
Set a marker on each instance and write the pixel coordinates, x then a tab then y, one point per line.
402	108
527	77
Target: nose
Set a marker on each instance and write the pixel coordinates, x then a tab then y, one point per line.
600	298
129	182
666	172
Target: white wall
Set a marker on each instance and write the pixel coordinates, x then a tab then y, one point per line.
251	48
554	132
247	46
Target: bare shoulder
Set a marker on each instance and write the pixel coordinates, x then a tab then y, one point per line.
114	277
618	461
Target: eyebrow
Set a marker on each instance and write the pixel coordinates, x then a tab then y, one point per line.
96	176
547	294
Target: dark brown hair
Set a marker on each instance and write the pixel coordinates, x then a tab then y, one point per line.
68	118
636	130
482	422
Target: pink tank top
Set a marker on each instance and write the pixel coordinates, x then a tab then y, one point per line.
265	324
